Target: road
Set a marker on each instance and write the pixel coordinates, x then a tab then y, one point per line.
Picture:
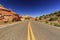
30	30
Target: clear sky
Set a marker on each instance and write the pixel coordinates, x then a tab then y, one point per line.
32	7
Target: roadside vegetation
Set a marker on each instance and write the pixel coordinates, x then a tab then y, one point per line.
51	19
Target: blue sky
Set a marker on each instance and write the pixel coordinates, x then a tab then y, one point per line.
32	7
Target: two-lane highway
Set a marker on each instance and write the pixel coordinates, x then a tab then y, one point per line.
45	32
30	30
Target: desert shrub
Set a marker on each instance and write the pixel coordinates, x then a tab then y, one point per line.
35	19
55	24
5	21
45	17
40	17
46	22
51	23
53	19
58	15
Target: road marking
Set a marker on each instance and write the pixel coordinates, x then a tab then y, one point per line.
30	32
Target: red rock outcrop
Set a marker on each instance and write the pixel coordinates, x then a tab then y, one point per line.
7	15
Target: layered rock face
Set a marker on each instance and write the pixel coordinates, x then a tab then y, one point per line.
7	15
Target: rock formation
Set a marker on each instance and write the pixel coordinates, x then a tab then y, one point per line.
7	15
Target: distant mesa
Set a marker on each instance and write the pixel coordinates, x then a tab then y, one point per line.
27	17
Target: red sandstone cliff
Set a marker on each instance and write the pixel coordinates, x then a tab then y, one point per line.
7	15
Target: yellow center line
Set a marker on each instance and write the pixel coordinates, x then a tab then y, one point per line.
28	34
30	31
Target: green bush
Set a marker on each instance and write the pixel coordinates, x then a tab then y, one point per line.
51	23
46	22
55	24
53	19
40	17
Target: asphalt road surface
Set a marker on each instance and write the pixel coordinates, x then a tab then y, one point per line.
29	30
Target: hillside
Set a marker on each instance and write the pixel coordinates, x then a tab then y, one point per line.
52	18
7	15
